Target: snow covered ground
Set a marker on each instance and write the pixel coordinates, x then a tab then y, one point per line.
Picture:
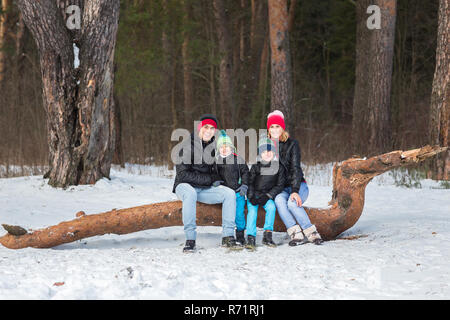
404	252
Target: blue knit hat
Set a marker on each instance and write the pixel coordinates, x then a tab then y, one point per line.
265	144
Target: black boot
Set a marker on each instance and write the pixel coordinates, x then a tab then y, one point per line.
190	246
251	243
230	243
267	239
240	237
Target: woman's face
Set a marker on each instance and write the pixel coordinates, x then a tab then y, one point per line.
275	131
206	132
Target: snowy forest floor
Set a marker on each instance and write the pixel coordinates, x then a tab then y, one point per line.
402	250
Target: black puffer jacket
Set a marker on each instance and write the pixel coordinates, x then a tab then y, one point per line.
196	171
290	157
233	171
261	183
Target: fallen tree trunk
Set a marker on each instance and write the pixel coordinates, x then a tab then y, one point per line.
350	178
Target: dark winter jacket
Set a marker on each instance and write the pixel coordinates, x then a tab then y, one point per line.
290	157
266	184
196	171
233	171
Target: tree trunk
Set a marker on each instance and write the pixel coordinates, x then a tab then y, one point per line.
440	96
170	67
262	79
291	14
360	134
78	101
118	153
258	62
350	179
187	67
3	30
380	73
225	70
208	27
281	73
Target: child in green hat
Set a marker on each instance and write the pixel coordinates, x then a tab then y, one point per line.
234	173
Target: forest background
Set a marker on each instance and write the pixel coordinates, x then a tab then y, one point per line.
167	66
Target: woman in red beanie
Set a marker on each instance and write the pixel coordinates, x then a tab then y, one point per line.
289	202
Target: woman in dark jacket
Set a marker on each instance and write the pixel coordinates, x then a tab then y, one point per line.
289	202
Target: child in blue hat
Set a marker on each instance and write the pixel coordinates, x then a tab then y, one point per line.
267	179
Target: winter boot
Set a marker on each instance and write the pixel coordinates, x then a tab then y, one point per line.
251	243
230	243
296	236
312	235
190	246
267	239
240	238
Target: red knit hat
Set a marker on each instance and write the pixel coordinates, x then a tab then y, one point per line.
276	117
207	119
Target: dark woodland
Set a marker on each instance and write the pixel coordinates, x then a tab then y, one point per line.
350	90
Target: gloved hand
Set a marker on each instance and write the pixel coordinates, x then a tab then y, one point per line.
242	190
263	200
217	183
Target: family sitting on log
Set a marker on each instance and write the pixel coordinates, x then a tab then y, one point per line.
212	190
275	182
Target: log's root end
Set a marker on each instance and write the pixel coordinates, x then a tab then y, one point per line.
14	230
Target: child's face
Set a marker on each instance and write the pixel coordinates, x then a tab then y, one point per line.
267	156
224	150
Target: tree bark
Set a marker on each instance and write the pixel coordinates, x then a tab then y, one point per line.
208	26
170	68
360	134
187	67
118	157
262	79
440	96
281	71
371	127
350	179
380	73
226	99
3	31
78	101
291	14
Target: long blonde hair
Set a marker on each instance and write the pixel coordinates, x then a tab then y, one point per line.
283	137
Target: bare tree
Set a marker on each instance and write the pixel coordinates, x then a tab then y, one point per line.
188	89
371	127
79	101
3	31
281	70
360	105
380	74
440	96
226	99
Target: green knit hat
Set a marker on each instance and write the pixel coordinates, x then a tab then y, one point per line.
224	139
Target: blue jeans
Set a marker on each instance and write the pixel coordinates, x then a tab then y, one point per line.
221	194
289	212
252	215
240	215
